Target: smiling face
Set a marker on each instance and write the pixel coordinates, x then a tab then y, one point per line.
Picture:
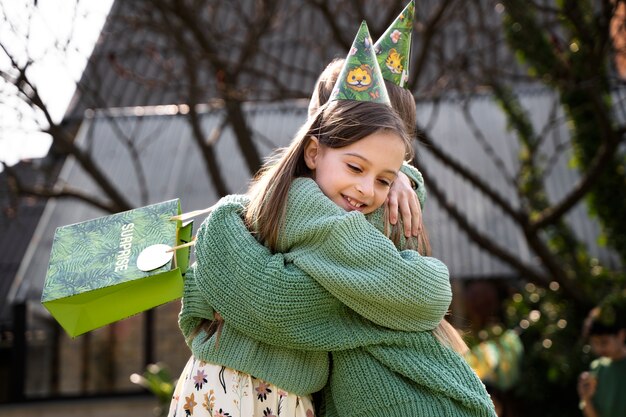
357	176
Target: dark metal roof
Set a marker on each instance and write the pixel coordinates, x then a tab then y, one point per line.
15	235
132	65
174	169
17	223
124	47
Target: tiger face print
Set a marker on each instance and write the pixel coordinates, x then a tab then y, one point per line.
394	62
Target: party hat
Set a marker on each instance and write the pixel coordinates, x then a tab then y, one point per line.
360	78
393	49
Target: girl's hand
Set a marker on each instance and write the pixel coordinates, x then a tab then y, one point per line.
402	198
586	386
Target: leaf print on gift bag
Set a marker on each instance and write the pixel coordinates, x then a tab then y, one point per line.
94	277
262	390
221	413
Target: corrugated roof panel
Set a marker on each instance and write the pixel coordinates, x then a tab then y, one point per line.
452	135
274	129
233	166
299	37
450	128
192	181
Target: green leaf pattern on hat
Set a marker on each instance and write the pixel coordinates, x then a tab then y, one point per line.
360	78
393	49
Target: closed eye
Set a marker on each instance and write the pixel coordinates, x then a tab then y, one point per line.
354	168
385	182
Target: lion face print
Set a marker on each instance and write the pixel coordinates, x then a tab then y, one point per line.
394	62
359	78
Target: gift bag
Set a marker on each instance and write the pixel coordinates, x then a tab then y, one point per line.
107	269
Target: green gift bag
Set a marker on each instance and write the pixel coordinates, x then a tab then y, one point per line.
110	268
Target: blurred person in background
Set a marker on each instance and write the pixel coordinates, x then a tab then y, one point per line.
602	389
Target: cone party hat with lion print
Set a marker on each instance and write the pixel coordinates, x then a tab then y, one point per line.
393	49
360	78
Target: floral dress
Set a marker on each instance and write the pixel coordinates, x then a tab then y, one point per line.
208	390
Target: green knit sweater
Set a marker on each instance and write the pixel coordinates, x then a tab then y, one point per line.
338	286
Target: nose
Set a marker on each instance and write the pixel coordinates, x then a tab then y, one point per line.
366	187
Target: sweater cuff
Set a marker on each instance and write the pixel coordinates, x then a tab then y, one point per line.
193	302
194	307
416	180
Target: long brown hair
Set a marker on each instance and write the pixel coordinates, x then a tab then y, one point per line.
336	124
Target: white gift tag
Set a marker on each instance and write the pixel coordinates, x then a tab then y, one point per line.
154	257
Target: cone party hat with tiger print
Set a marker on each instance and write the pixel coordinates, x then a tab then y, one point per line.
393	49
360	78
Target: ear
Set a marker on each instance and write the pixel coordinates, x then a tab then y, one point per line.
311	152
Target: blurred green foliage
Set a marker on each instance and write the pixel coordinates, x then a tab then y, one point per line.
158	380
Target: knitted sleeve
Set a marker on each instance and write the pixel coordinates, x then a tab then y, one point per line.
428	363
361	267
194	306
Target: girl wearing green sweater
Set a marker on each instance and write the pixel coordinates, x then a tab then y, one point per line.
375	370
325	280
362	293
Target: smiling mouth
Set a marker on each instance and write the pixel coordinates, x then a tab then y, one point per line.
354	203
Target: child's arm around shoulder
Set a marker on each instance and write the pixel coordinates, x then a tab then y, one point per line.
195	306
360	266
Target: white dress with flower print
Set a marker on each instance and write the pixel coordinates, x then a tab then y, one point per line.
209	390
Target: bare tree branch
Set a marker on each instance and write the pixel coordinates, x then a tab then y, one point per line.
528	271
427	35
471	177
485	144
19	188
343	39
581	188
210	160
226	81
60	136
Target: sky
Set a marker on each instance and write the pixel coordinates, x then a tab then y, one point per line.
58	36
